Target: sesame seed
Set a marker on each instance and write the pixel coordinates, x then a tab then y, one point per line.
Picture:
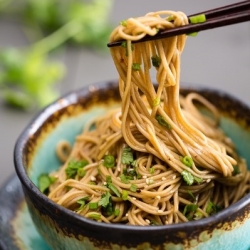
163	178
160	211
147	221
158	197
92	178
149	181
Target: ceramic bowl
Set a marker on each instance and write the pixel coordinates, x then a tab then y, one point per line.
63	229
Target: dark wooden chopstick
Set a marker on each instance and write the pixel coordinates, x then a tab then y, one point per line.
215	18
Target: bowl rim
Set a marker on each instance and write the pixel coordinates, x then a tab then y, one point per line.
71	98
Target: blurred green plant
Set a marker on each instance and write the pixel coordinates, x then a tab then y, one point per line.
28	75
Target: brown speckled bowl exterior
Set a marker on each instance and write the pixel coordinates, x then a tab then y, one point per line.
63	229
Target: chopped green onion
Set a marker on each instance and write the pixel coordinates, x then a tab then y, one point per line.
124	195
136	66
124	44
162	121
187	161
197	19
198	215
109	161
95	216
151	170
127	156
133	188
93	205
187	177
192	34
156	102
123	23
124	179
117	212
170	18
156	61
108	179
81	172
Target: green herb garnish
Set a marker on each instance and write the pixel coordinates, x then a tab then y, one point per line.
124	179
156	61
109	161
82	202
123	23
127	155
124	195
105	199
44	181
75	167
212	208
187	177
162	122
189	210
136	66
114	189
187	161
117	212
197	19
236	170
133	188
191	194
95	216
156	102
93	205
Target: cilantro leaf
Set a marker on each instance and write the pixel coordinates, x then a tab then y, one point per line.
127	155
105	199
75	167
44	181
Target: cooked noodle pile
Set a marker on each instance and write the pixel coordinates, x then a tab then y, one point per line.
157	160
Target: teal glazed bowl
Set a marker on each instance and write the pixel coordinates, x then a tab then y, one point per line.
63	229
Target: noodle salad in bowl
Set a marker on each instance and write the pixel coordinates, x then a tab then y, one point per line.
143	166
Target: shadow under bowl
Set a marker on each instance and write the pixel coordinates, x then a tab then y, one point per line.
63	229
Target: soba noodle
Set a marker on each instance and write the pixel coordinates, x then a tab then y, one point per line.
157	160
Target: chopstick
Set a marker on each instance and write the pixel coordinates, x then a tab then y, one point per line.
215	18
